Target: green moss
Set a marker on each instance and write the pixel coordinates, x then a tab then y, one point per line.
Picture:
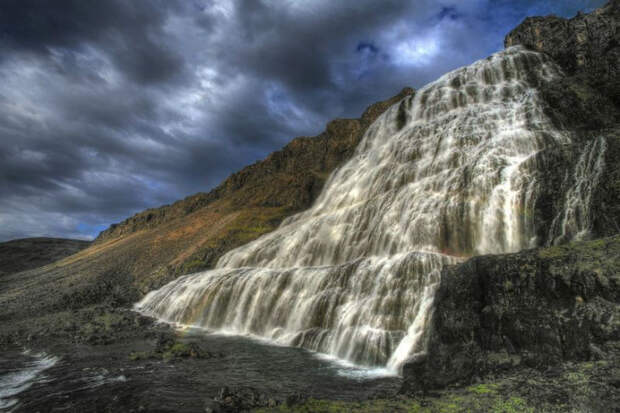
512	405
576	377
140	355
584	248
553	252
254	222
180	350
335	406
483	388
194	265
484	397
101	327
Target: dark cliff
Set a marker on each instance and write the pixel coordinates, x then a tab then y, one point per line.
535	308
585	103
586	46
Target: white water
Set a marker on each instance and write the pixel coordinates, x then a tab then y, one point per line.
574	221
14	382
355	275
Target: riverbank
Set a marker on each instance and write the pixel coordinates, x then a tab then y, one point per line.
113	359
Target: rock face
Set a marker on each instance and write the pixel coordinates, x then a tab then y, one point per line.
585	102
586	46
26	254
536	308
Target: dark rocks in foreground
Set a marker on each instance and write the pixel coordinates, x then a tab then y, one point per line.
534	309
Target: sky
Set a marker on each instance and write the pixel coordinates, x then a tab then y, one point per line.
110	107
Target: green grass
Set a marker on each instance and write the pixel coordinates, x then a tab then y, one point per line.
483	388
484	397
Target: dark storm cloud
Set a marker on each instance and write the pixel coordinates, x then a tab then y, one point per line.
129	31
109	107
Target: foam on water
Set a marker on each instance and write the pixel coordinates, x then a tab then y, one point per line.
574	221
17	380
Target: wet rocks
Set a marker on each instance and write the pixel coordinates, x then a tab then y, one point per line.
585	102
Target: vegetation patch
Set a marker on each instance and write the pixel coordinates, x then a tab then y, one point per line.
485	397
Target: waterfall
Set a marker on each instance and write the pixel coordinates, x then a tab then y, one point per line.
448	173
574	221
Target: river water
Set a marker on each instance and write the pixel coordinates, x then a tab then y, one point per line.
91	378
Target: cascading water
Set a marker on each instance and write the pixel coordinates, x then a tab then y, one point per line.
442	176
574	221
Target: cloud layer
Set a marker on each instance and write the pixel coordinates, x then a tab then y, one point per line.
110	107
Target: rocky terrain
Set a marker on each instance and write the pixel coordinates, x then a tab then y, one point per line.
535	309
26	254
586	46
532	331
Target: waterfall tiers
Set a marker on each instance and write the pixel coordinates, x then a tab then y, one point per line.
443	175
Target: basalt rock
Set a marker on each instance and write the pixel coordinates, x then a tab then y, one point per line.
240	400
585	102
586	46
537	308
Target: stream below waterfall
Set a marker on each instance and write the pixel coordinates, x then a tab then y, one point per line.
85	378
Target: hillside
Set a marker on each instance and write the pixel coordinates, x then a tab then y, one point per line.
29	253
